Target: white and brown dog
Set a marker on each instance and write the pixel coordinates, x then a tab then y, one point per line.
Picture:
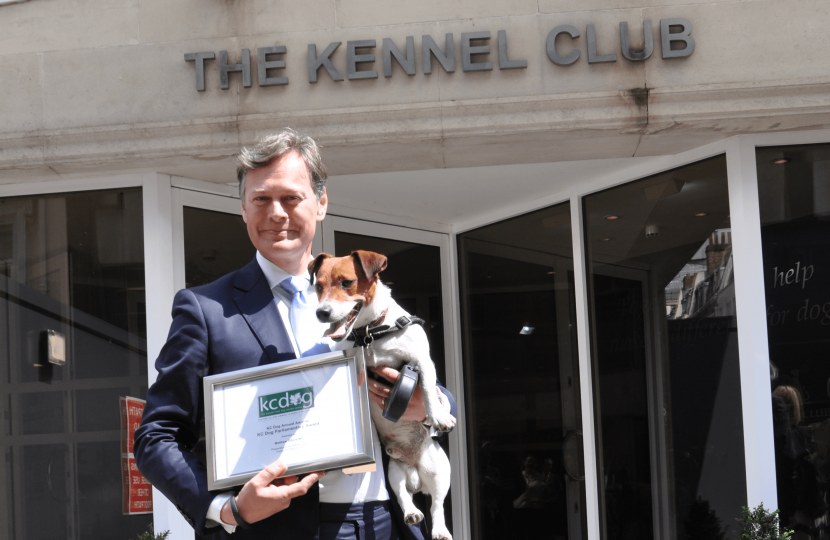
351	296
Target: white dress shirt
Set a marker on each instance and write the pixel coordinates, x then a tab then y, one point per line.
335	487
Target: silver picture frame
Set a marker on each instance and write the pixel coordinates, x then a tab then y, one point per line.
270	375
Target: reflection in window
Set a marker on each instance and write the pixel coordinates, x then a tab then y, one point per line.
73	265
665	356
215	244
794	196
524	419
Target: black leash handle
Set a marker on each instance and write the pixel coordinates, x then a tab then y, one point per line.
401	393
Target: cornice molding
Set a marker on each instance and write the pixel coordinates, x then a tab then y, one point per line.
725	108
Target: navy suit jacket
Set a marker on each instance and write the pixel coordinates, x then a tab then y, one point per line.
230	324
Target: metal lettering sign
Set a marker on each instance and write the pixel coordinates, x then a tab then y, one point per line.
476	54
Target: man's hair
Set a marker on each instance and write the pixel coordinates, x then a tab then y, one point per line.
275	146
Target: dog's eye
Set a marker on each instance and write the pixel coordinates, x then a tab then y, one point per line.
318	287
346	283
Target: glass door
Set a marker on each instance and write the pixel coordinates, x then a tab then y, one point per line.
209	237
418	273
665	359
210	240
521	374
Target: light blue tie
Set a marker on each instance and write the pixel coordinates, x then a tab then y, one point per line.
308	331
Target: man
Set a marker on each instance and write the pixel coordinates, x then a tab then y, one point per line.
261	314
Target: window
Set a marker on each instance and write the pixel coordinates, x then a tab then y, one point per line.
73	265
794	197
524	418
667	394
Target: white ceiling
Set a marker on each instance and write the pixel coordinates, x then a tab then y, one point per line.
453	196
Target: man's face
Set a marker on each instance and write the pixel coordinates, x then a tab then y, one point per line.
281	212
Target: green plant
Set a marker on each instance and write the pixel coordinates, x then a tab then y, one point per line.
151	535
761	524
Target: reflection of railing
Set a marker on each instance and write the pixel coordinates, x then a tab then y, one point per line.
705	293
31	299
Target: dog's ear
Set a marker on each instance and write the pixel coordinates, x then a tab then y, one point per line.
314	265
371	262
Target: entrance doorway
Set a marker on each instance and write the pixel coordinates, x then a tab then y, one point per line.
210	239
521	376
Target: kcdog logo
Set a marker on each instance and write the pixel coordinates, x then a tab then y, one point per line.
286	402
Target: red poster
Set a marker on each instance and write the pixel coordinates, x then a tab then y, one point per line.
137	493
131	411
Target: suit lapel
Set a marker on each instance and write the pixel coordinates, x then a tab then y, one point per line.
256	303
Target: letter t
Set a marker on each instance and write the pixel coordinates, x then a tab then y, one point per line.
199	59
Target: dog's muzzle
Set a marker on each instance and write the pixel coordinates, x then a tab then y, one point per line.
340	329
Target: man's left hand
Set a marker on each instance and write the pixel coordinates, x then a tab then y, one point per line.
379	393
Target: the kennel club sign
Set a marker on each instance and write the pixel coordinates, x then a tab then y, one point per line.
564	46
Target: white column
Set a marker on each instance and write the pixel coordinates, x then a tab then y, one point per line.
750	301
455	383
585	375
159	287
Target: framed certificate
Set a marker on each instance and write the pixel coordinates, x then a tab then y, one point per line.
312	413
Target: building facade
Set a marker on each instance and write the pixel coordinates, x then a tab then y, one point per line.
613	217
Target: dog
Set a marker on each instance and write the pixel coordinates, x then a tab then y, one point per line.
351	296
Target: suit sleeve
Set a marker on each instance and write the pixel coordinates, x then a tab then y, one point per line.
169	429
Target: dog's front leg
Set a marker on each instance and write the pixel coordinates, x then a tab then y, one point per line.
438	416
397	480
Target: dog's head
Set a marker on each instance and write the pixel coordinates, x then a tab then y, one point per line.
344	286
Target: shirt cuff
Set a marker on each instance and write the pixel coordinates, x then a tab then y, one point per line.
214	513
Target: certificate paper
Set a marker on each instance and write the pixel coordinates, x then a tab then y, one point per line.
310	413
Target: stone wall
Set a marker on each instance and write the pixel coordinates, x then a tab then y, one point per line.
101	85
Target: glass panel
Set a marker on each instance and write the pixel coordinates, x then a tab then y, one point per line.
72	264
215	244
665	355
524	418
794	196
413	272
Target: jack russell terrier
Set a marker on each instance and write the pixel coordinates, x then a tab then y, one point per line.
351	297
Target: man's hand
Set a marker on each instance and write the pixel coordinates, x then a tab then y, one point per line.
379	392
266	493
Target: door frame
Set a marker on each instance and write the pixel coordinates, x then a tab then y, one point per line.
182	197
452	345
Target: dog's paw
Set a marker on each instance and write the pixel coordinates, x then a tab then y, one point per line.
413	518
442	421
441	534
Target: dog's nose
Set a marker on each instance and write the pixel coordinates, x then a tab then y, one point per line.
323	314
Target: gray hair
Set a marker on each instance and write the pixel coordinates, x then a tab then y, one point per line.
276	145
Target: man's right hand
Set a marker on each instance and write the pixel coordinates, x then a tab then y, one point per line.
266	493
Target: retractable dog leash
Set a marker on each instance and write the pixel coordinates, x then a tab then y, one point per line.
404	387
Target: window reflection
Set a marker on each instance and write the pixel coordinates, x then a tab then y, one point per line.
215	244
665	357
524	418
72	264
794	197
